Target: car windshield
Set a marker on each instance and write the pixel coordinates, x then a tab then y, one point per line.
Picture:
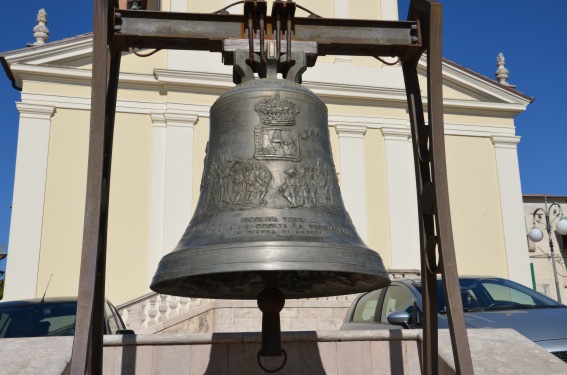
485	294
38	319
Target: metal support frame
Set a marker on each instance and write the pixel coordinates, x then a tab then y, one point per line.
119	30
436	235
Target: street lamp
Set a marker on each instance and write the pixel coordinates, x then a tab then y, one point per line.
536	235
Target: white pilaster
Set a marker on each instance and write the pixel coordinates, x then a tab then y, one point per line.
340	10
28	201
389	10
353	181
402	198
157	199
178	186
178	5
511	206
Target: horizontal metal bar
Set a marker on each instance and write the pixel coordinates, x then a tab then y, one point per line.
196	31
231	45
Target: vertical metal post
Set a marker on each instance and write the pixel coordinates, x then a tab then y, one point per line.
422	158
87	343
433	194
551	250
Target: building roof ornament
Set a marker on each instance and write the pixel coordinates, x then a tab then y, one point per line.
502	73
40	31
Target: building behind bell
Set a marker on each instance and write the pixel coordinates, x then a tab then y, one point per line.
161	132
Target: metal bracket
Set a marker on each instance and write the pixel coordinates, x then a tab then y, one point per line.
244	71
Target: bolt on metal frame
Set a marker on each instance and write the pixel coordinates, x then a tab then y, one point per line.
117	30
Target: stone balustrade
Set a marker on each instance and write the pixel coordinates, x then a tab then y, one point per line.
154	308
156	312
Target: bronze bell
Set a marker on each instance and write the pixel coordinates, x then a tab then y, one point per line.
270	213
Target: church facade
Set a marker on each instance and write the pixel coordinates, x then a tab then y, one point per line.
161	132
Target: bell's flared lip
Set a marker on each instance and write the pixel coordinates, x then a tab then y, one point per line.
305	270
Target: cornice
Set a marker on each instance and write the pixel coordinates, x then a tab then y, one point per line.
61	51
470	81
180	119
22	61
200	110
197	82
366	121
396	133
350	130
73	102
505	142
337	90
42	103
215	84
81	77
472	130
158	119
35	111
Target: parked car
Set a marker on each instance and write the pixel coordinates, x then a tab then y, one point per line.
50	317
488	302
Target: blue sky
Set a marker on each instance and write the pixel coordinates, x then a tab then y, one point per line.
528	34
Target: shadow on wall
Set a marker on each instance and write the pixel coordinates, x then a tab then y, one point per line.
325	352
303	357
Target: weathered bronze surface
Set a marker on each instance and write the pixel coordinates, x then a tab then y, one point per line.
270	201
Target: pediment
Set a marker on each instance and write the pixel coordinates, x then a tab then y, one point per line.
75	52
462	86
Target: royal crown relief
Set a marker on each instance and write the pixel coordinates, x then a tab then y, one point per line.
234	184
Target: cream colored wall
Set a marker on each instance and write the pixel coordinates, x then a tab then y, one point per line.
129	213
59	89
324	8
371	109
209	6
377	195
63	216
130	63
364	9
475	206
452	118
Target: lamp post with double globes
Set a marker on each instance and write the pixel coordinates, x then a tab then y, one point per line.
536	235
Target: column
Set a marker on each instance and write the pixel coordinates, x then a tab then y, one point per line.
402	198
172	182
157	198
178	5
353	181
389	10
28	201
511	206
340	10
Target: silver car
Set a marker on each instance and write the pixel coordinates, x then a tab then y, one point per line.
488	302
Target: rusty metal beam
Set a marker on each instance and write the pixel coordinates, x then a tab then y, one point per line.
206	32
87	343
436	233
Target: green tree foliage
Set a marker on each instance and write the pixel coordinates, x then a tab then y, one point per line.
1	289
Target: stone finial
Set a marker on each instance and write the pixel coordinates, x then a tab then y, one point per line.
502	73
41	32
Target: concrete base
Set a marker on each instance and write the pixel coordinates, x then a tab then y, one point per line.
327	352
35	355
